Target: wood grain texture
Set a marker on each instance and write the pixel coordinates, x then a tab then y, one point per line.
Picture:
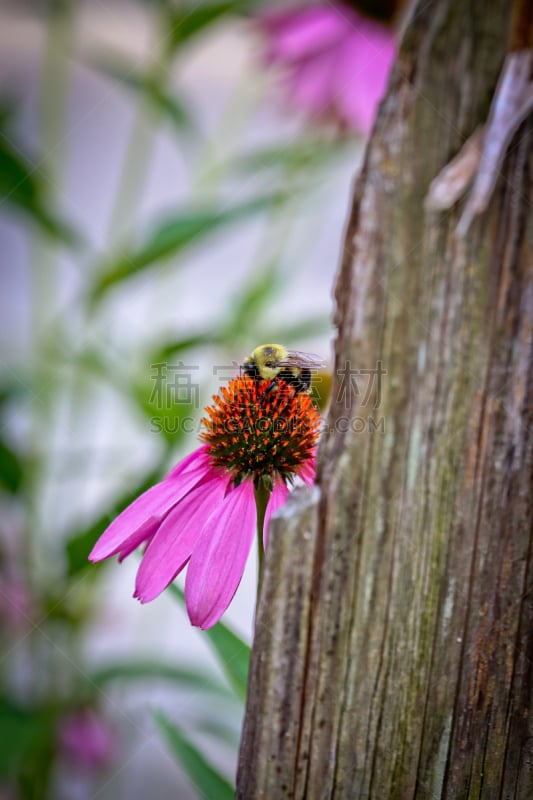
393	655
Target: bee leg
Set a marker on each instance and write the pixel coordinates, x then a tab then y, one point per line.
305	380
251	371
273	386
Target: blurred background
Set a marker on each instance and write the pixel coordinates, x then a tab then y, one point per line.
174	182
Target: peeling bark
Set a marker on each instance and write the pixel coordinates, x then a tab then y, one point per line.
393	654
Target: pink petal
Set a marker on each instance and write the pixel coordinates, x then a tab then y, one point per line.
279	495
312	83
307	472
194	460
141	535
132	525
172	545
301	32
363	69
338	60
87	739
219	557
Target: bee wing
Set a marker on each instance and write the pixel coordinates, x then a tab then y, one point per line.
296	358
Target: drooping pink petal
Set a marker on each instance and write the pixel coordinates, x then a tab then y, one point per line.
363	66
298	32
337	60
197	459
142	535
172	545
219	557
279	495
132	523
307	471
311	83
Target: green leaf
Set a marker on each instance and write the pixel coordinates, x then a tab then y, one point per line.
210	784
22	186
222	729
232	651
10	468
253	300
26	737
298	155
172	236
162	101
189	22
172	107
171	350
142	670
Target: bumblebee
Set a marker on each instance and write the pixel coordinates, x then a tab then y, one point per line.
274	362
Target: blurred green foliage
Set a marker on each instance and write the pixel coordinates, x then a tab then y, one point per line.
23	188
72	355
171	237
207	779
232	651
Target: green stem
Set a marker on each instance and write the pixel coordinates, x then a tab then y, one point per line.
138	154
262	496
54	87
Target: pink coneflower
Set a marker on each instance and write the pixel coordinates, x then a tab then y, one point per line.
337	60
204	513
86	739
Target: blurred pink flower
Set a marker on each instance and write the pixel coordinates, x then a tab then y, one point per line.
204	512
15	602
86	739
338	60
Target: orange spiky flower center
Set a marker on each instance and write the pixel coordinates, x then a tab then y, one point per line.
260	428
